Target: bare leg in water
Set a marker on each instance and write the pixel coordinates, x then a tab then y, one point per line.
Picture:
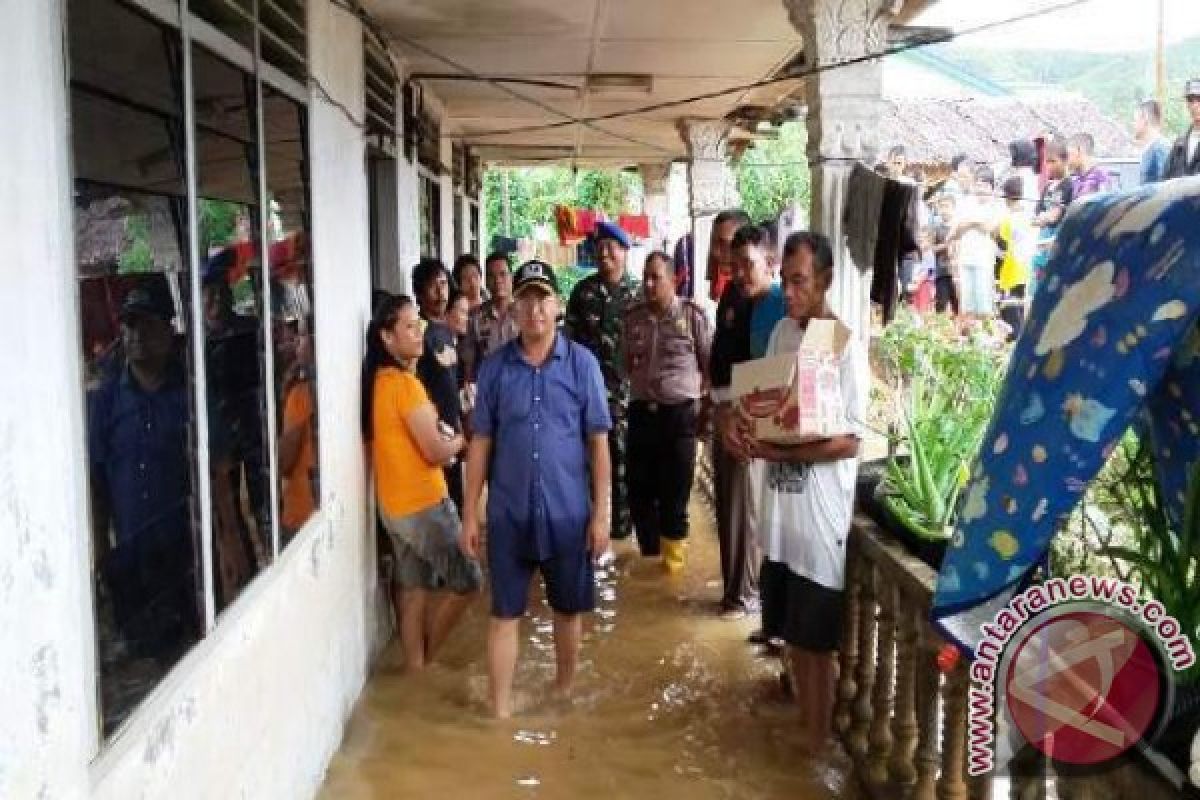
502	661
412	628
568	631
815	676
444	613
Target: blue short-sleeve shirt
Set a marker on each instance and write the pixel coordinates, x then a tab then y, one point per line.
539	419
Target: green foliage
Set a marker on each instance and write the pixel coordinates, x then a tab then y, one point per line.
1164	559
773	173
218	223
952	384
533	192
137	256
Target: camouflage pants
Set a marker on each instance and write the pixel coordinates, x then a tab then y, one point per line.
622	521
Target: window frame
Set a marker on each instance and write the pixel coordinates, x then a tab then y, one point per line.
192	30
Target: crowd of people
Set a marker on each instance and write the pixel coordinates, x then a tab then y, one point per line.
985	233
584	422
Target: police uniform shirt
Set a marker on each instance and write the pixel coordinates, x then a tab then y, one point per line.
667	356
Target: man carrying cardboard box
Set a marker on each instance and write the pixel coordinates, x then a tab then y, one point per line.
810	455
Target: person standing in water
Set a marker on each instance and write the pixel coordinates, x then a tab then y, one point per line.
541	412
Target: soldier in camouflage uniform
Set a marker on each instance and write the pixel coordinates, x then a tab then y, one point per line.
593	319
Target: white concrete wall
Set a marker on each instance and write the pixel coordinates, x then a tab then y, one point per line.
258	707
46	711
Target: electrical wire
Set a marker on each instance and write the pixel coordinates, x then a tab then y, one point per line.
817	70
499	83
465	73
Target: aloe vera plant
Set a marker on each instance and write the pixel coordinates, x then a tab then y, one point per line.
952	384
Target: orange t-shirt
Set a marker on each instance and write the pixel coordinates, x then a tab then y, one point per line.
405	482
298	500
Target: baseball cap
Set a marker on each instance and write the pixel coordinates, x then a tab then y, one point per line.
1192	88
150	299
535	273
611	230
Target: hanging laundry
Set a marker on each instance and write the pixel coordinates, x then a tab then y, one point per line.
860	215
567	224
1113	337
586	221
897	237
636	225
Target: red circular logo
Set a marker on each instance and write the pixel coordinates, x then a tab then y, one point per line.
1083	687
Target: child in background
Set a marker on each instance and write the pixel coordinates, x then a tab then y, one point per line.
946	273
1018	240
1050	208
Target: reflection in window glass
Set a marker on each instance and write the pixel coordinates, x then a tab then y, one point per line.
285	124
431	216
234	349
130	241
475	243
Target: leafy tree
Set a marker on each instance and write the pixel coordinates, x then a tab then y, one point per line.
533	192
773	174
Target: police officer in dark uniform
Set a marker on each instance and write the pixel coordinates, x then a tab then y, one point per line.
1184	158
593	319
666	343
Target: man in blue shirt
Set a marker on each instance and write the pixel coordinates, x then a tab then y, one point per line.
140	472
1156	148
540	426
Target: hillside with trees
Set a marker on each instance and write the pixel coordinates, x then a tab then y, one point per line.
1113	81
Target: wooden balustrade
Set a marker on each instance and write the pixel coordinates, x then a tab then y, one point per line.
902	721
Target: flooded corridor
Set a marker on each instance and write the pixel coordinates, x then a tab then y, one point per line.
671	701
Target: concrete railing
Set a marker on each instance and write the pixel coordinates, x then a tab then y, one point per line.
902	720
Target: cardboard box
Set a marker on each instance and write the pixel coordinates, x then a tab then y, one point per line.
796	398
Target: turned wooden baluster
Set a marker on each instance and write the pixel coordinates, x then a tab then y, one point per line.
904	724
885	675
1027	776
860	725
952	784
848	654
928	693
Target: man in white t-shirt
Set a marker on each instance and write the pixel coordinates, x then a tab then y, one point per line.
806	503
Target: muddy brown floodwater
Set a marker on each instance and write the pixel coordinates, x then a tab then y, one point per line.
671	702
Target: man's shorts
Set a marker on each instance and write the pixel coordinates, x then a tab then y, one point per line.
427	552
569	578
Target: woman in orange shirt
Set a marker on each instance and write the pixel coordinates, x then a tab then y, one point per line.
435	579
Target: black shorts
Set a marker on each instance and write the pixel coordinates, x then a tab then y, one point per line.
801	612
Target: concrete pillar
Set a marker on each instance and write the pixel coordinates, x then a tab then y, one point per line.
711	187
844	109
655	180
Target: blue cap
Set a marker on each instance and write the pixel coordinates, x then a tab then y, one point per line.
611	230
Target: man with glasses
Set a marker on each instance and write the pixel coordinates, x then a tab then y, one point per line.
593	320
542	414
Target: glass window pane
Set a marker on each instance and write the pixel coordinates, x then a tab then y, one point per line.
285	123
130	239
234	336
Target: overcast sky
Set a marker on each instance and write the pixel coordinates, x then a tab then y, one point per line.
1096	25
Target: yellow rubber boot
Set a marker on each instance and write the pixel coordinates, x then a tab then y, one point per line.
673	555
